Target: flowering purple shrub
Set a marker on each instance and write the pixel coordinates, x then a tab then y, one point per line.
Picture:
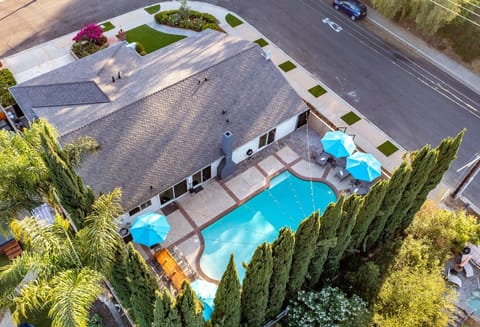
91	32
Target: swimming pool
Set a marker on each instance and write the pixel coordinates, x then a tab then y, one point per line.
286	202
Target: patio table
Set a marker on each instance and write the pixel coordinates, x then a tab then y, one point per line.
171	268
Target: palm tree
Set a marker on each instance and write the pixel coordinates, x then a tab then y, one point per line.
58	272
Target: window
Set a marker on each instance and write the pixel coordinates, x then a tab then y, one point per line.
145	205
134	211
207	173
267	138
166	195
180	188
302	119
197	178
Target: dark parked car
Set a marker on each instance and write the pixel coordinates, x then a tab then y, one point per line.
353	8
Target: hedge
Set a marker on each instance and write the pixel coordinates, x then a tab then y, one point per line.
6	80
197	21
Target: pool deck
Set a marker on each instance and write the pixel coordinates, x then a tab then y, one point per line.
194	212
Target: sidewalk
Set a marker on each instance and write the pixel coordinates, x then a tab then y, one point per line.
53	54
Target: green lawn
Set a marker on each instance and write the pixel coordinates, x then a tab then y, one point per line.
287	66
151	39
107	26
152	9
350	118
232	20
317	91
261	42
387	148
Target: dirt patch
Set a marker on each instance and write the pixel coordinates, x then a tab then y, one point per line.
107	318
441	44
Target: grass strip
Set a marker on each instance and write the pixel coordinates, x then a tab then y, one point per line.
387	148
152	9
261	42
287	66
350	118
150	38
232	20
107	26
317	91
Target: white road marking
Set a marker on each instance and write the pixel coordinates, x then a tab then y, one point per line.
337	28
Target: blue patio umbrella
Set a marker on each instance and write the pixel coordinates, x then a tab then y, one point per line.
149	229
364	166
206	293
338	144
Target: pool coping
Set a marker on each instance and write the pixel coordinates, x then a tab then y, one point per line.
197	230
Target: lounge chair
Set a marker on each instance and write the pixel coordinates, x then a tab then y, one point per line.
454	279
342	174
468	270
322	158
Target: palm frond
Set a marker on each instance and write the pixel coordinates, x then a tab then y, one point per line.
33	297
98	240
12	274
72	295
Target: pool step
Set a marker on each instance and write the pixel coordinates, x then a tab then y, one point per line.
458	318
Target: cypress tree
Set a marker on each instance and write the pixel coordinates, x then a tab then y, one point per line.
368	210
422	163
446	153
326	239
227	299
118	277
189	307
350	209
396	186
74	196
142	287
282	254
305	244
165	313
255	287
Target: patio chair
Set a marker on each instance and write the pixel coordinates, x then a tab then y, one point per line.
468	270
322	158
454	279
342	174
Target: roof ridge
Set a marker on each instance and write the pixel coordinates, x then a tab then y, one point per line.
249	47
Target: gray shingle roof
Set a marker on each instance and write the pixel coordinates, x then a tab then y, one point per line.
176	129
64	94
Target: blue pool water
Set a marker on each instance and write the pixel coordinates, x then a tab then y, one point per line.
286	203
474	303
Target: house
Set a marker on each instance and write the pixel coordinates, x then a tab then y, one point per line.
169	121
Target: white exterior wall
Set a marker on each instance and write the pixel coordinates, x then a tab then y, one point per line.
214	166
285	128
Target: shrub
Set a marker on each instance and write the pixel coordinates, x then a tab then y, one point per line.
91	32
77	150
140	49
6	80
189	19
84	49
95	321
329	307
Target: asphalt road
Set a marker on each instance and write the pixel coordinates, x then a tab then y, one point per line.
410	99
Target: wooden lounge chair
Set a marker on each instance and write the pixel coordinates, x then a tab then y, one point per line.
468	270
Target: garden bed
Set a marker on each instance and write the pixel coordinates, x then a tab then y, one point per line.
6	80
188	19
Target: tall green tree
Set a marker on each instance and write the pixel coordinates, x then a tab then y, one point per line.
189	307
165	313
327	238
350	209
282	254
227	299
255	286
368	210
57	275
305	244
142	286
74	196
25	180
118	277
396	186
446	153
422	163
